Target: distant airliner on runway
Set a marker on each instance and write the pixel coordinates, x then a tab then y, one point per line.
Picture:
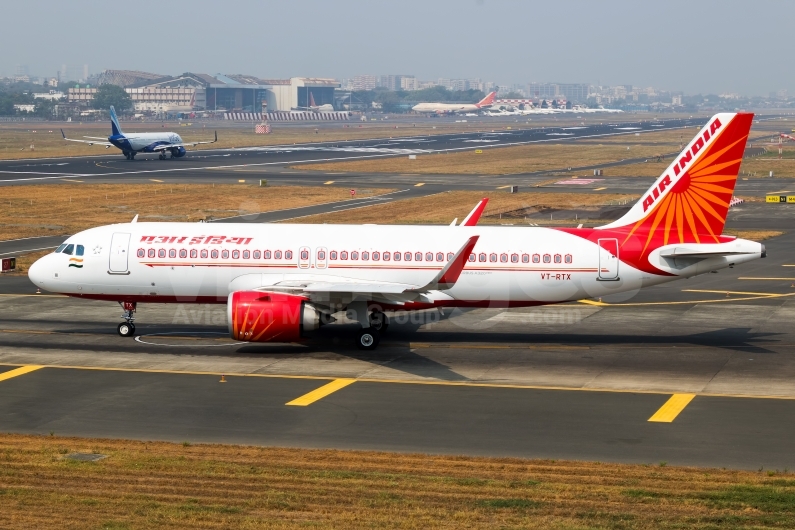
282	280
131	144
455	108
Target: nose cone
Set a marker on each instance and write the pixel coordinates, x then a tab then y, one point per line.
38	272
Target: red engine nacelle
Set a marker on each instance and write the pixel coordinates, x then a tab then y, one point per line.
269	317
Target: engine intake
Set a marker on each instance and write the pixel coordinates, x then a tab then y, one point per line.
256	316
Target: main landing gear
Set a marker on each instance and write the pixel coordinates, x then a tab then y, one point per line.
127	328
129	155
368	338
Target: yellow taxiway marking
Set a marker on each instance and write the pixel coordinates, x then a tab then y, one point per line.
731	292
681	302
417	185
753	278
671	409
329	182
406	381
22	370
776	192
788	265
503	187
72	180
600	189
320	393
155	180
241	180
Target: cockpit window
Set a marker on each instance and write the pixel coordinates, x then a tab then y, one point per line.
69	249
60	249
80	250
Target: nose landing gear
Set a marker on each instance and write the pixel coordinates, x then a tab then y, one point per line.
127	328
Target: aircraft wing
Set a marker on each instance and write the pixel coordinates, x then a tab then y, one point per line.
321	290
184	144
94	141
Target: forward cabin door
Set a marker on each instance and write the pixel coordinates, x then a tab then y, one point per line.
119	250
608	259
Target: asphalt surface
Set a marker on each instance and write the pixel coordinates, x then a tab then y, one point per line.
214	165
574	381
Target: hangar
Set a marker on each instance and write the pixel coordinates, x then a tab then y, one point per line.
218	92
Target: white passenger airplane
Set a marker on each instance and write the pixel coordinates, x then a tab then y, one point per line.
280	280
131	144
454	108
313	107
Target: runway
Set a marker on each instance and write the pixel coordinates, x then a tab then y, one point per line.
215	165
577	381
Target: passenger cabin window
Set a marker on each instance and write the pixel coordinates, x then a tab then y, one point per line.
514	258
172	253
376	256
321	254
79	250
257	254
387	256
183	253
225	254
493	258
365	256
482	257
246	254
204	253
304	254
407	256
397	256
69	249
536	258
558	258
332	254
141	253
547	258
344	254
277	254
214	254
418	256
151	253
472	257
194	253
235	254
449	256
354	255
429	256
504	258
288	254
266	254
568	258
439	256
161	253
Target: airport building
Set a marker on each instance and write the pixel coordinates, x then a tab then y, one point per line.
574	92
216	93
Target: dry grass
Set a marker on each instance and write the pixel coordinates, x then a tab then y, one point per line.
442	208
54	209
753	235
163	485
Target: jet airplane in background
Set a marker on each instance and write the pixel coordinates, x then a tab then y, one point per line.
326	107
455	108
282	280
132	144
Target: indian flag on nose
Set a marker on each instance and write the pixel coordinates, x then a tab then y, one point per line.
76	262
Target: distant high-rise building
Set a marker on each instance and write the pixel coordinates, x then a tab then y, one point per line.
575	92
364	82
408	83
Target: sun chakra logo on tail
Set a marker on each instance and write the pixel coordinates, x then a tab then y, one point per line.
691	206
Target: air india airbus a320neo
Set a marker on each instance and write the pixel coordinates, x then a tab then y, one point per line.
282	280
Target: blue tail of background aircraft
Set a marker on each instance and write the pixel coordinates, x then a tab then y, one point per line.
114	123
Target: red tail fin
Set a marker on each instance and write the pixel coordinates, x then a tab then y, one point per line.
488	100
312	100
690	201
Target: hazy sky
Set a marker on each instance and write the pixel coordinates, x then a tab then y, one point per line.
695	46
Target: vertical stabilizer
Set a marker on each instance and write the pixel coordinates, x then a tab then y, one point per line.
689	202
114	123
488	101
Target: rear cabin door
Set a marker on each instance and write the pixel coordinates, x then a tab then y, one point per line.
119	250
608	259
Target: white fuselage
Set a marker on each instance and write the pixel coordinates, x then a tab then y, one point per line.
200	262
447	108
145	142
